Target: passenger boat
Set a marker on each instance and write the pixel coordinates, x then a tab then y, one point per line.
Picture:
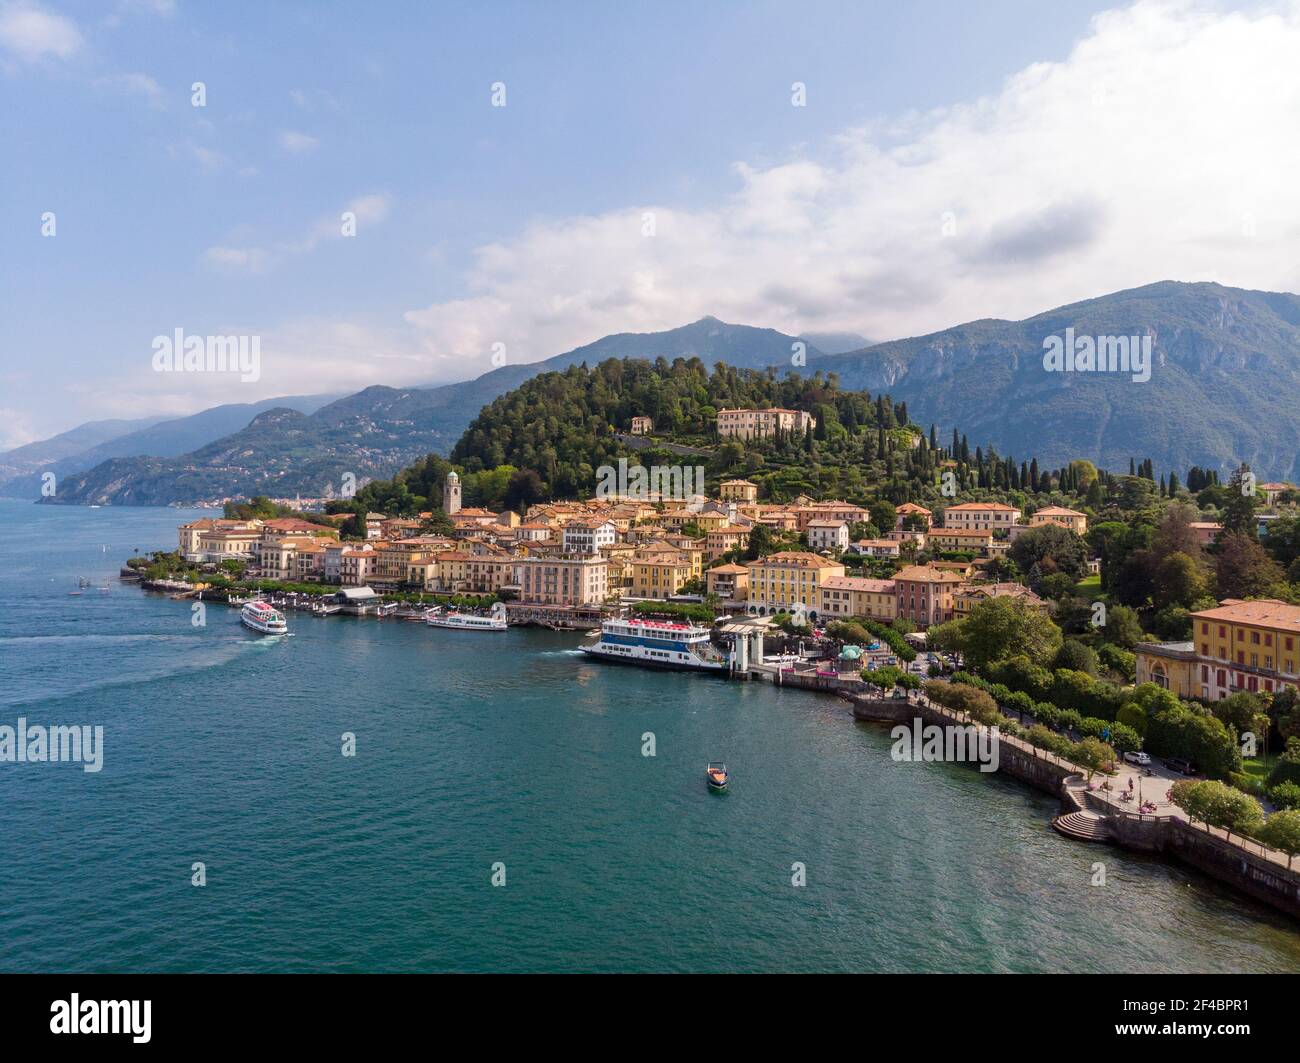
262	618
657	644
716	776
465	621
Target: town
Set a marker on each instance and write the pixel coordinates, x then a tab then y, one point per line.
1141	620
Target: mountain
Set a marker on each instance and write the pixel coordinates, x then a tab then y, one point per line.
836	342
379	430
33	456
1224	375
1225	366
153	436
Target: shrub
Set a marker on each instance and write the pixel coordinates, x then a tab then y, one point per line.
1285	795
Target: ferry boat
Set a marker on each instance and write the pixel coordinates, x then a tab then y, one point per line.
657	644
465	621
716	776
262	618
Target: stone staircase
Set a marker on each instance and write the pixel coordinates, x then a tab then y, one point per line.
1083	825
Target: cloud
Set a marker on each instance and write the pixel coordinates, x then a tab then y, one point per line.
32	32
1157	148
364	210
136	84
16	429
296	143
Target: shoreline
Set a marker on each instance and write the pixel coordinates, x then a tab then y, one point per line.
1085	816
1208	849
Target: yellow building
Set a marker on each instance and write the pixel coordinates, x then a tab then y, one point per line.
1252	646
728	582
965	599
658	571
1067	518
858	596
786	580
959	539
738	491
1171	665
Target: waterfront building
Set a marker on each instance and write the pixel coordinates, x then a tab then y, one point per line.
1172	665
848	596
925	594
355	566
981	515
758	424
567	581
787	580
189	534
660	570
728	582
220	544
831	535
738	491
1246	645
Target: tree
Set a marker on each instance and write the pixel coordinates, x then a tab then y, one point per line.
1242	568
1219	805
1178	581
1065	551
1077	657
1282	832
1092	754
1239	507
760	542
997	628
1122	627
883	514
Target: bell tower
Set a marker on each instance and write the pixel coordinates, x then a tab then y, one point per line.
451	494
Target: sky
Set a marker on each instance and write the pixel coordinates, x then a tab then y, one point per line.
525	178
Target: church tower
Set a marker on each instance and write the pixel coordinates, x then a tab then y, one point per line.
451	494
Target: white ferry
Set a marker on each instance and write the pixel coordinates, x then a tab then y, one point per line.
465	621
261	617
657	644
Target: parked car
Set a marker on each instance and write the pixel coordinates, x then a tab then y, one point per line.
1137	757
1182	765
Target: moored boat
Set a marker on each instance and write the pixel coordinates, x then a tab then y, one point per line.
262	618
657	644
465	621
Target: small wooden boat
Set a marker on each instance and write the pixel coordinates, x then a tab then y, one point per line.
716	776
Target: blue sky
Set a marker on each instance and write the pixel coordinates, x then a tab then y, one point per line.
523	224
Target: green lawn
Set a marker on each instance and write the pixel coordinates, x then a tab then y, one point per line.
1259	767
1090	587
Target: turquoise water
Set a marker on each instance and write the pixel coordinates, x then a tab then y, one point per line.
473	749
